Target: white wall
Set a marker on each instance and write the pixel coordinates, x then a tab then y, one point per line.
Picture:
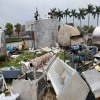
28	25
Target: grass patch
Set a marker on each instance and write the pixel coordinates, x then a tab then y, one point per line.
26	56
16	62
61	55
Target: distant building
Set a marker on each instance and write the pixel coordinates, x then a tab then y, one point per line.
29	26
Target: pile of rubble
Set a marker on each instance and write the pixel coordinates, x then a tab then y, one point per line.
49	78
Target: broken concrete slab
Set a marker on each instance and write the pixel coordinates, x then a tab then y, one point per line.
32	88
26	88
92	77
67	83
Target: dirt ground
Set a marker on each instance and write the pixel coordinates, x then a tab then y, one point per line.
49	96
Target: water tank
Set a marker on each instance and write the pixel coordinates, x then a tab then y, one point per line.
45	32
96	37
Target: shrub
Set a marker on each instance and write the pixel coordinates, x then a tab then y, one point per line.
10	40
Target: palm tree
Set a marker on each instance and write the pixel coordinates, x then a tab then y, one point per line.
89	11
96	12
52	13
81	14
66	14
59	15
73	14
18	28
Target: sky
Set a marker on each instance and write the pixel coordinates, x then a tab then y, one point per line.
20	11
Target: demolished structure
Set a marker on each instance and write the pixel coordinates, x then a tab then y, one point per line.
67	83
66	32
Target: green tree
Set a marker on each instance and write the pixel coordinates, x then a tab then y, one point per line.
18	28
89	11
59	15
66	14
73	14
81	14
9	29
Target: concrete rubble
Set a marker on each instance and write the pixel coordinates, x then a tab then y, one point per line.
4	88
11	97
92	77
66	79
67	83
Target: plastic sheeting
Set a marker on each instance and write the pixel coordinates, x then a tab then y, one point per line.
67	83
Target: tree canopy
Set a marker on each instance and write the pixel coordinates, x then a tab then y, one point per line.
9	29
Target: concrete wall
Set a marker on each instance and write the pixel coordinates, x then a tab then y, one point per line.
2	43
45	32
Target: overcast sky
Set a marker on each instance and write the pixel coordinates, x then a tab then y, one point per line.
20	11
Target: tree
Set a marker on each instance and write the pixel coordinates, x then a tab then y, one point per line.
66	14
18	28
52	13
81	14
9	29
96	13
89	11
73	14
59	15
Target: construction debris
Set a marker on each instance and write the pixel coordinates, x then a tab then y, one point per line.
64	35
31	89
11	97
67	83
2	84
92	77
10	73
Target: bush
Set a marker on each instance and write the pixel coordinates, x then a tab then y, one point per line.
81	30
91	29
10	40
